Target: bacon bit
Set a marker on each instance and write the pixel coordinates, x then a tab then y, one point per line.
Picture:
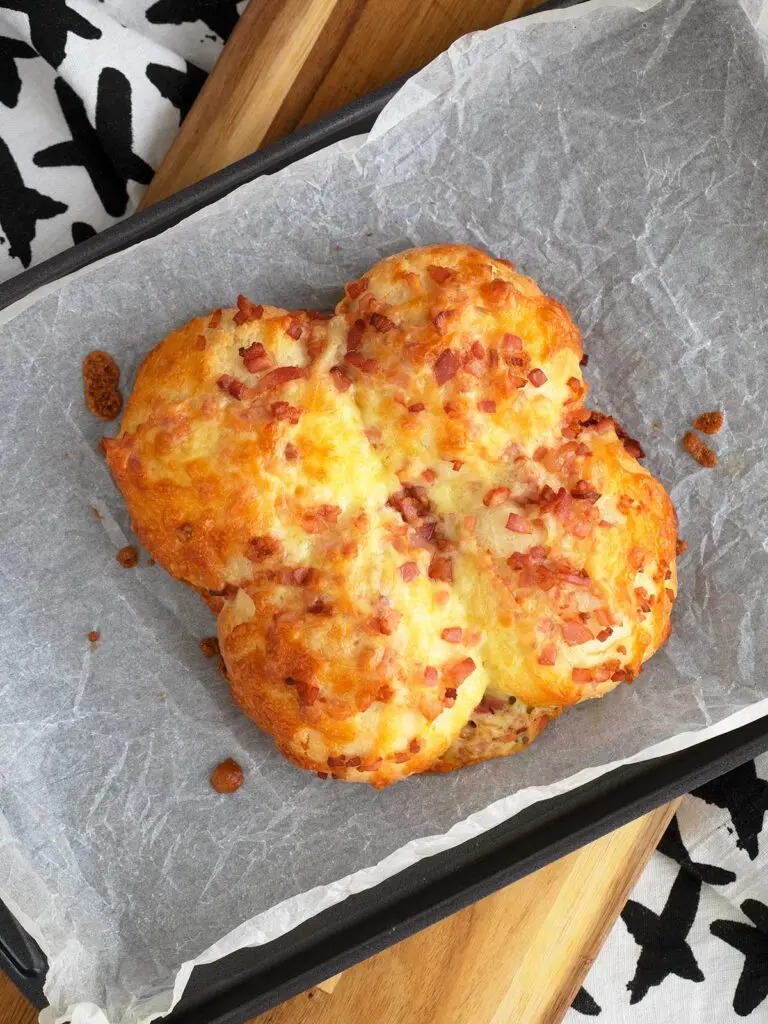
625	503
584	360
317	520
414	746
516	382
562	505
681	547
477	350
486	405
388	621
709	422
643	599
384	694
128	557
356	288
449	699
417	407
400	757
255	357
456	465
246	311
200	343
446	366
381	323
497	496
355	335
490	705
320	607
451	409
429	475
516	524
101	379
575	633
409	571
441	321
439	274
406	505
548	655
538	552
511	343
496	292
636	558
94	636
314	314
424	536
670	593
452	635
215	320
701	452
581	675
461	671
603	635
340	380
291	452
578	579
367	365
276	378
336	761
294	330
632	447
354	762
259	548
284	411
537	378
574	384
583	491
441	568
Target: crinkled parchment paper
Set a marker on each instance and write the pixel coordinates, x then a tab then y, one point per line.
618	153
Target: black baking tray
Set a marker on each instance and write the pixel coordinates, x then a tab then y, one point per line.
251	981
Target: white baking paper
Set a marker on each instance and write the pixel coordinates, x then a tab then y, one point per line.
618	152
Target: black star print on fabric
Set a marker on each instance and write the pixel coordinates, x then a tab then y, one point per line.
584	1003
106	151
219	15
745	796
180	87
661	937
752	987
50	22
11	50
81	231
673	846
21	208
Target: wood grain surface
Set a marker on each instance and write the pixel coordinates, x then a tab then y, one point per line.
289	62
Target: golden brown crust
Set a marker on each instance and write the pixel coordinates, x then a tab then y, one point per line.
400	512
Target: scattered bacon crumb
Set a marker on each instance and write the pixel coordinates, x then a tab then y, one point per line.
215	320
603	635
381	323
247	311
582	675
340	379
94	636
709	422
452	635
259	548
285	411
701	452
456	465
496	496
681	547
584	360
128	557
575	633
414	746
276	378
356	288
446	366
537	378
355	335
477	350
255	357
200	343
291	452
441	321
429	475
439	274
461	671
417	407
294	330
486	405
441	568
101	376
548	655
367	365
430	674
409	571
209	645
227	777
388	621
516	524
229	385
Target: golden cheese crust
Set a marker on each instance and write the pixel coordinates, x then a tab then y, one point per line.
420	544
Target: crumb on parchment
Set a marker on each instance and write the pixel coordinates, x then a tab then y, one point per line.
709	422
701	452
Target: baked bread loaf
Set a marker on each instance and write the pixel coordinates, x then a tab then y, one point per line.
420	545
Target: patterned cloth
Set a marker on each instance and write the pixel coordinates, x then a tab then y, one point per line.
91	95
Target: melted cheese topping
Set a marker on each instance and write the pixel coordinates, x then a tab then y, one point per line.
399	513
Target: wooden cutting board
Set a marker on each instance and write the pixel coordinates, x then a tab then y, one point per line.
519	956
